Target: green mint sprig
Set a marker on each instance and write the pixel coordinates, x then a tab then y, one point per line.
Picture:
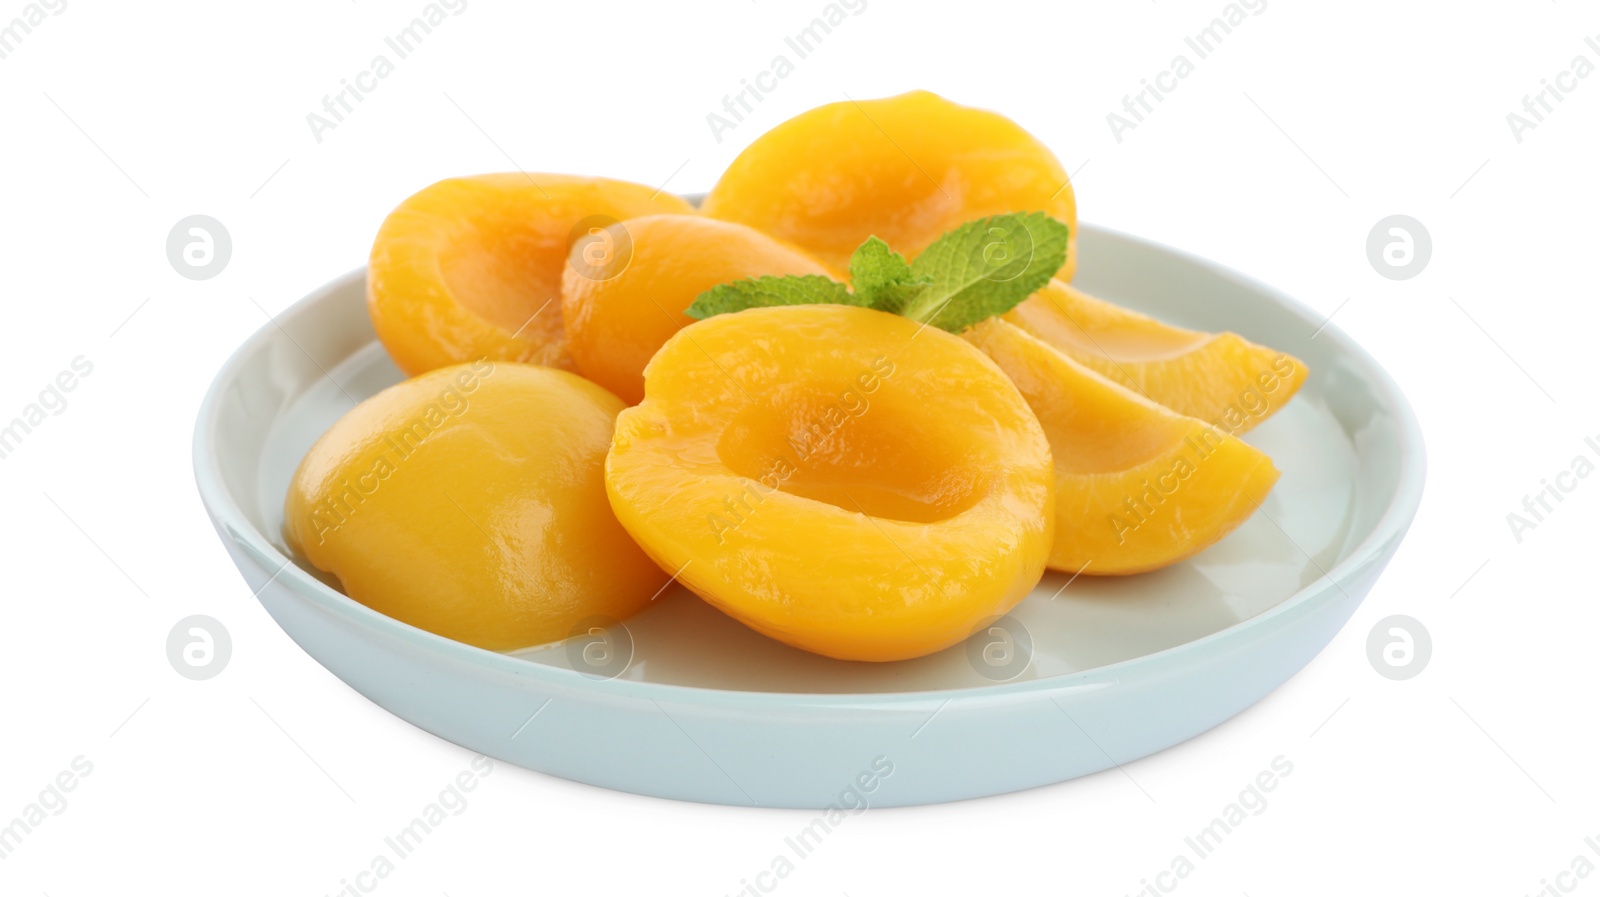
882	275
980	269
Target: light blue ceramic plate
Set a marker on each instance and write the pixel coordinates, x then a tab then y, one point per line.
707	710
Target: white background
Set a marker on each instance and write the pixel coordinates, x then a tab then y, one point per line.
1307	126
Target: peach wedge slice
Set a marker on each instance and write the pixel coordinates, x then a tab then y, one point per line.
1138	486
1220	378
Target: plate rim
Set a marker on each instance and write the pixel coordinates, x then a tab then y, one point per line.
1387	531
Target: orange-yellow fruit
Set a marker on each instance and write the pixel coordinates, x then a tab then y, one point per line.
1220	378
471	267
835	479
470	502
1138	486
619	311
905	169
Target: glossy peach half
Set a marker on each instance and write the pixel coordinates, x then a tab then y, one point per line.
905	169
470	267
470	502
837	478
617	317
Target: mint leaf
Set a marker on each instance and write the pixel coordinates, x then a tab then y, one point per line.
883	277
985	267
978	270
757	292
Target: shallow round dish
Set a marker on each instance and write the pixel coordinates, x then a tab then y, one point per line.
707	710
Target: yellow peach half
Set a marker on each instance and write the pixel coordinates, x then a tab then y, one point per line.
837	478
470	502
470	267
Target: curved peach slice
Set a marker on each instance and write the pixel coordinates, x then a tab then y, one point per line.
1137	486
905	168
617	319
816	473
470	268
1220	378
